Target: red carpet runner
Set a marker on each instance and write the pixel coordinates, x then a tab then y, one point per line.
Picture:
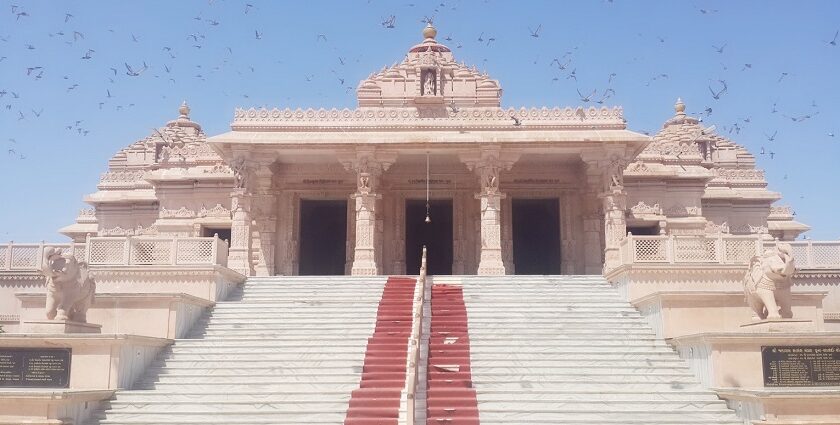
377	401
450	396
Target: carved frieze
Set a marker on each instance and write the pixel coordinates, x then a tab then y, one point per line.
394	117
642	208
182	212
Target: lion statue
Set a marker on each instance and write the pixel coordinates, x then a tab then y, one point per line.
768	281
70	288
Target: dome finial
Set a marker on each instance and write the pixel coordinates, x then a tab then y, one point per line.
679	107
429	32
184	110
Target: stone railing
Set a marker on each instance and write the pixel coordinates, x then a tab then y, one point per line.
723	249
28	256
408	403
115	251
815	254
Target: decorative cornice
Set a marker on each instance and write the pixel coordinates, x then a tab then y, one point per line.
410	118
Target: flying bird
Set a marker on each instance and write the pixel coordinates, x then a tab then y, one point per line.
135	73
719	49
389	23
586	99
833	41
535	33
258	35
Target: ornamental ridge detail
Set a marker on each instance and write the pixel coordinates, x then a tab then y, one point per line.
182	212
643	208
217	211
410	117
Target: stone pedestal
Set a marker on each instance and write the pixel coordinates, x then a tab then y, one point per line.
780	325
490	261
59	327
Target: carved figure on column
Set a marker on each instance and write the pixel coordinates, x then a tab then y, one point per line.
70	288
768	281
240	170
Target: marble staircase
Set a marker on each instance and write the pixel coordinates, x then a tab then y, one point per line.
568	350
284	350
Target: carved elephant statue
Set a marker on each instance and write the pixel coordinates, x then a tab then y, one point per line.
768	281
70	288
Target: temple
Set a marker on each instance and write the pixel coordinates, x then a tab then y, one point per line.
429	257
507	190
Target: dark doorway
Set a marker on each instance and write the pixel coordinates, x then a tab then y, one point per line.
222	232
436	235
536	236
323	237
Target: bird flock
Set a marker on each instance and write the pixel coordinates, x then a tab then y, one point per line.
217	46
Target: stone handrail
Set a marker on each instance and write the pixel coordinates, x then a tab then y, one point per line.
408	404
670	249
116	251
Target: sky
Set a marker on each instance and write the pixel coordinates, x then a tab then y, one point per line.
67	103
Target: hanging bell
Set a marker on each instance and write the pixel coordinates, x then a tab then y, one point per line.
428	219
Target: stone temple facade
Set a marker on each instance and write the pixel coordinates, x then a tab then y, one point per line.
495	177
427	257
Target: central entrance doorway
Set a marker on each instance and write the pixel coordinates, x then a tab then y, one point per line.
436	235
323	237
536	236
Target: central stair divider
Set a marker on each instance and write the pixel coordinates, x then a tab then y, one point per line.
389	376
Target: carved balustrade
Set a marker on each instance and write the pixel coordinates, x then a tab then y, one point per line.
116	251
670	249
814	254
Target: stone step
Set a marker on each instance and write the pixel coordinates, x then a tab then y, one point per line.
275	378
219	397
616	395
179	363
581	363
601	384
224	406
560	415
244	416
589	406
261	387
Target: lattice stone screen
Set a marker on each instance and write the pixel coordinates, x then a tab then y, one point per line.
3	253
157	251
825	255
195	251
107	251
25	257
650	250
739	250
695	250
800	254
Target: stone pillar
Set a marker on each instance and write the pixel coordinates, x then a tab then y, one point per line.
605	179
490	261
487	163
368	164
364	253
593	250
615	225
240	232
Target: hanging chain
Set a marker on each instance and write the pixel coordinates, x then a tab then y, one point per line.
428	218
